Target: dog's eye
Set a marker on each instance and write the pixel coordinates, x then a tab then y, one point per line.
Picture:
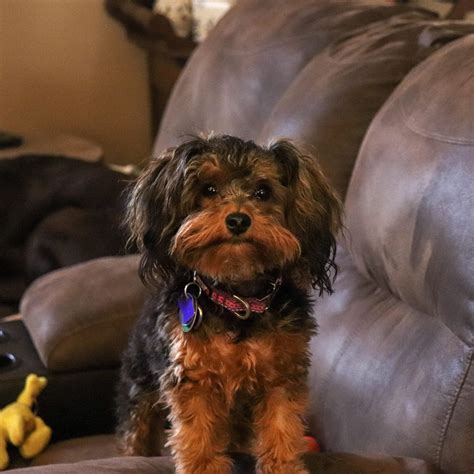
263	192
209	190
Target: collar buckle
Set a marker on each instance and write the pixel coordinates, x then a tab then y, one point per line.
247	310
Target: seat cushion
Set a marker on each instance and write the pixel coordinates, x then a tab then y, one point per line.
78	449
98	454
162	465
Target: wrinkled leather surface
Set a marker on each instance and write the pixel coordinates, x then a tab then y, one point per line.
79	449
115	465
329	105
316	77
417	162
74	456
393	362
80	317
236	77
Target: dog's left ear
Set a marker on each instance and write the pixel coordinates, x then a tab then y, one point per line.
156	208
314	213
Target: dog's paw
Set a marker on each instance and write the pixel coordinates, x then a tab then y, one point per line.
281	468
216	465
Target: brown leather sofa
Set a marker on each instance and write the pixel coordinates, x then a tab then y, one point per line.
392	384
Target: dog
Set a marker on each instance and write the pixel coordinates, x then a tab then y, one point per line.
233	237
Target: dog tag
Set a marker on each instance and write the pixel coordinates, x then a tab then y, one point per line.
190	313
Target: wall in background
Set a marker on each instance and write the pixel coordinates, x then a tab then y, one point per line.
66	67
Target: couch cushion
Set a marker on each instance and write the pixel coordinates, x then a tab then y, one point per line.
393	364
78	449
163	465
84	455
237	75
385	377
80	317
331	103
316	464
417	164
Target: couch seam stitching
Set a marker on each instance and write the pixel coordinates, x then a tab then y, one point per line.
452	407
439	137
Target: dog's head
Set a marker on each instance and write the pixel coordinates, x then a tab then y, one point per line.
234	211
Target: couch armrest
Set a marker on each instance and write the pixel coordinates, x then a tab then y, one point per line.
80	317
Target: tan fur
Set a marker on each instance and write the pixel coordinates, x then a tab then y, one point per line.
214	373
203	243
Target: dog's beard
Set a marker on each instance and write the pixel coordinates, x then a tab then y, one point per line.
203	243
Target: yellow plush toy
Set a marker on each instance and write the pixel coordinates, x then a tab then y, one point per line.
20	426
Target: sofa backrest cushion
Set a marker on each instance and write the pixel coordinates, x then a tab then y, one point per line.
393	362
239	74
417	164
317	73
332	101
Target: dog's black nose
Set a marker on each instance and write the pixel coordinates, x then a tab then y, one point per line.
238	222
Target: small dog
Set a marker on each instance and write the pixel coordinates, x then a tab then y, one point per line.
233	236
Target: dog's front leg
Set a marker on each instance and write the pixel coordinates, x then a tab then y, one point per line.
141	425
200	430
279	431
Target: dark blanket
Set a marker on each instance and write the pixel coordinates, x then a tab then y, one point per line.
54	212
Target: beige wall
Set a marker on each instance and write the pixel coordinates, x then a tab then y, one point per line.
66	67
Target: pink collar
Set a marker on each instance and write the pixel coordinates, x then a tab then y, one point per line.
240	306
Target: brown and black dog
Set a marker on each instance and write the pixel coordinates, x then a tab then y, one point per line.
233	237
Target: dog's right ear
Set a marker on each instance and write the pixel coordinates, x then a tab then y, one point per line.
316	213
155	210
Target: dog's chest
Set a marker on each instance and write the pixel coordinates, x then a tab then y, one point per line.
222	364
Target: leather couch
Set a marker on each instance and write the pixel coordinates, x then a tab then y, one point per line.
384	95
